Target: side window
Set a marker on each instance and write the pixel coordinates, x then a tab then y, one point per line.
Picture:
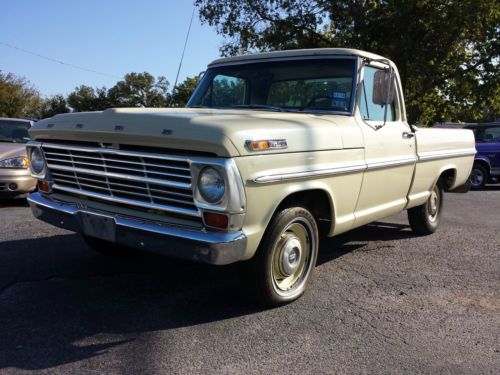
225	91
368	109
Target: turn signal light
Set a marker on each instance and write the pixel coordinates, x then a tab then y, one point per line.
215	220
44	186
267	144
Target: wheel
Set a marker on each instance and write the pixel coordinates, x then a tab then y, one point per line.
102	246
478	176
425	219
286	257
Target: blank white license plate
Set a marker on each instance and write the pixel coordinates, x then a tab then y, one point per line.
103	227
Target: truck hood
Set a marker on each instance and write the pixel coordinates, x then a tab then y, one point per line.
219	132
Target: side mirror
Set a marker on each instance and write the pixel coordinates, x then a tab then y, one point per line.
383	87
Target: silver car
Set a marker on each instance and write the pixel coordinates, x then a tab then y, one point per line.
15	177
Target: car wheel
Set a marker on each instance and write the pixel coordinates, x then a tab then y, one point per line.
478	177
425	219
286	257
102	246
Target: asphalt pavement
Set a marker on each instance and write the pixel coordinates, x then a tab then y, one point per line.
382	301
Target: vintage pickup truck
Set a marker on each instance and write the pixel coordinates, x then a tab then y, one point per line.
274	151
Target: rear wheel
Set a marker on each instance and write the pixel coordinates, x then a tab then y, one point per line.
286	257
425	219
478	176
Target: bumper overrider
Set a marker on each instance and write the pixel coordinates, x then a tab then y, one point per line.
214	247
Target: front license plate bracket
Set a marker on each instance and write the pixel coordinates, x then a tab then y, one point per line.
98	226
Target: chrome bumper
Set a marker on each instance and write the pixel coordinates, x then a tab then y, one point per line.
208	247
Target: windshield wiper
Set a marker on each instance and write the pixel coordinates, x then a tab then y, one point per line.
259	106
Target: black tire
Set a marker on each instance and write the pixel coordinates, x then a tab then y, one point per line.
288	247
103	247
478	177
425	219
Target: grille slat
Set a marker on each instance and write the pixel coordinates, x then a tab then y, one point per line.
137	179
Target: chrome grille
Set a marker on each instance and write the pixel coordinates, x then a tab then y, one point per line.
3	186
137	179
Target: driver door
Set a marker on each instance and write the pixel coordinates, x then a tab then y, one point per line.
390	155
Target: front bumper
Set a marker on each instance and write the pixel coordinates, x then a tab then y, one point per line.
178	241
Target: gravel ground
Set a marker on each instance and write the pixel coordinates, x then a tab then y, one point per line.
382	301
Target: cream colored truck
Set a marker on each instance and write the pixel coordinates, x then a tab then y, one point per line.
274	151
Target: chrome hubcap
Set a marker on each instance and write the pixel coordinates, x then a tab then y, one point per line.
477	177
433	204
290	256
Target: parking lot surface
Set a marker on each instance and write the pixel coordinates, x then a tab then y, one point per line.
382	301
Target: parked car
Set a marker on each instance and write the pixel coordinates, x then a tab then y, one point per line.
486	166
274	151
15	176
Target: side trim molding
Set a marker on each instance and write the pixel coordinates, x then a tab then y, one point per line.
436	155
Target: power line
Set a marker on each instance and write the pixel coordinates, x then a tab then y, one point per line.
183	50
58	61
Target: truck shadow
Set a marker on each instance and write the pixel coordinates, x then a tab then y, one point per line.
13	202
60	302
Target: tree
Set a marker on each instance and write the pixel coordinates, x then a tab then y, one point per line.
447	51
139	90
86	98
53	106
18	97
184	90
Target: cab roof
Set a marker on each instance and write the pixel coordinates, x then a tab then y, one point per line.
296	53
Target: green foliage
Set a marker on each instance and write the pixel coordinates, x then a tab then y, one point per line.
183	91
18	97
447	51
54	105
86	98
139	90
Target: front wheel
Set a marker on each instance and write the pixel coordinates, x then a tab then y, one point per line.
286	257
425	219
478	177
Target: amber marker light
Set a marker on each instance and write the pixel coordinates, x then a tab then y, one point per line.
44	186
215	220
266	144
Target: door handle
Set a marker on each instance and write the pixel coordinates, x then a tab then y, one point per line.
407	135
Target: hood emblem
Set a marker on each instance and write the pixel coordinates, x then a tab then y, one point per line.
166	132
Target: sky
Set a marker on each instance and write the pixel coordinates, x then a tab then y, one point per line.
105	36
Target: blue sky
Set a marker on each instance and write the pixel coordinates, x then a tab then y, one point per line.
113	37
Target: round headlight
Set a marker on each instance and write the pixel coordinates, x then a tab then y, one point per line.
37	161
211	185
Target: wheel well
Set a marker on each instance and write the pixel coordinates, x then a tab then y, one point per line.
483	164
317	201
448	178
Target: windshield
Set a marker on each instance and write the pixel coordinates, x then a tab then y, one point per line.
14	131
287	85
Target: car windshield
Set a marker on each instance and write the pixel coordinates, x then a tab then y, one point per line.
14	131
283	85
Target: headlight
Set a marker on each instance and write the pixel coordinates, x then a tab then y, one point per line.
37	161
17	162
211	185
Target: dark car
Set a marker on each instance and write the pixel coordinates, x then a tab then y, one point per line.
487	161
